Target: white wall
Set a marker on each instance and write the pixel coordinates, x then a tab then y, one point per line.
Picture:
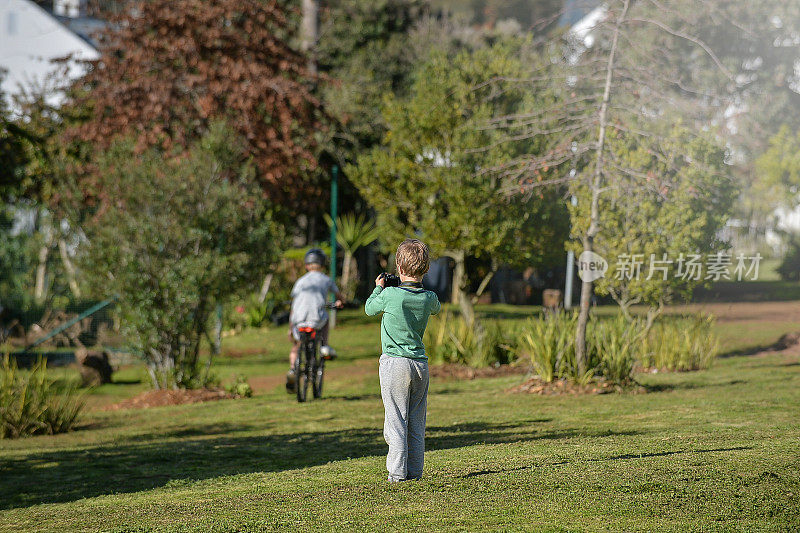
29	39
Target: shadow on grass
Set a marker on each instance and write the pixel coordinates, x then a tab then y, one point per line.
667	387
623	457
141	464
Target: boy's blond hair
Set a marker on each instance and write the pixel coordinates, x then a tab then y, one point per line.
413	258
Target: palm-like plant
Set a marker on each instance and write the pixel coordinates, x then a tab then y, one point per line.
352	232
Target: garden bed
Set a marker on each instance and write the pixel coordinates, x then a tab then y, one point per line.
536	385
456	371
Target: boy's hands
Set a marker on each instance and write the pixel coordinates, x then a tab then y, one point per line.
380	281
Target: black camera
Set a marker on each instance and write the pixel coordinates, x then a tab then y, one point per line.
390	280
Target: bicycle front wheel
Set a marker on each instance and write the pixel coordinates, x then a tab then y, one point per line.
319	375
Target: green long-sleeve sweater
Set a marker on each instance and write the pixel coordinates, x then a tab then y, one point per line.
405	316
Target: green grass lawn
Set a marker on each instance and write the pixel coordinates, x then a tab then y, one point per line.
715	450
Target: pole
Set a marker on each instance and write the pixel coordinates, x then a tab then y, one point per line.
568	284
334	206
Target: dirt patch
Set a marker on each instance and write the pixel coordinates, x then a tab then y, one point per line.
238	354
334	371
538	386
453	371
740	312
160	398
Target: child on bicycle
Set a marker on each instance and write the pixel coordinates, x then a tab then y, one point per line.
309	296
403	367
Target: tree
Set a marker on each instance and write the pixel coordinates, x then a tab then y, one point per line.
364	47
673	206
31	156
179	234
779	166
169	68
427	180
645	63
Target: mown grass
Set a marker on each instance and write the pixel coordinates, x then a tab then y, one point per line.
713	450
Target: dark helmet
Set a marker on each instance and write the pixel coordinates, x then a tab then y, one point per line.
315	255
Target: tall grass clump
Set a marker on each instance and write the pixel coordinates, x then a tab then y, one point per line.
549	344
548	341
680	345
614	346
31	404
450	338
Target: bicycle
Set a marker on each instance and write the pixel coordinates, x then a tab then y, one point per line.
309	367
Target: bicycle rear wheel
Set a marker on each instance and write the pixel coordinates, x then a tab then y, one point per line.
303	372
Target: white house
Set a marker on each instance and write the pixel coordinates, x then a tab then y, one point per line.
31	38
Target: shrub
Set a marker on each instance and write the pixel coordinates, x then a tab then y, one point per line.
789	269
451	339
30	403
614	344
549	344
240	388
683	344
180	234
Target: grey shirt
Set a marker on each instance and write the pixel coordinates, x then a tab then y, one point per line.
309	295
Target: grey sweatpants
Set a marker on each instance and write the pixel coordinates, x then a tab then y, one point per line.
404	389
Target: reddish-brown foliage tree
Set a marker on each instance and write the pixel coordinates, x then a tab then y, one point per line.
169	67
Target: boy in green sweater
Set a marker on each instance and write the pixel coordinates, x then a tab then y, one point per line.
403	365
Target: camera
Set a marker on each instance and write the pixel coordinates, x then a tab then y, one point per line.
390	280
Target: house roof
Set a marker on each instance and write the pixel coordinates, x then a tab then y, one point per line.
30	39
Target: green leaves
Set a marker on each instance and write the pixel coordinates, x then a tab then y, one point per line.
177	235
432	177
353	232
30	404
667	196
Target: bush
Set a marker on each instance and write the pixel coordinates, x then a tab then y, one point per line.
451	339
789	269
30	403
240	388
549	344
614	344
683	344
180	234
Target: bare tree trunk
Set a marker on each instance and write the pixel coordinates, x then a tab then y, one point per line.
310	32
588	237
346	274
69	268
265	288
652	314
485	282
41	272
459	294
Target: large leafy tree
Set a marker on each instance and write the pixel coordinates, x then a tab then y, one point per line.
169	68
364	47
427	178
179	235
